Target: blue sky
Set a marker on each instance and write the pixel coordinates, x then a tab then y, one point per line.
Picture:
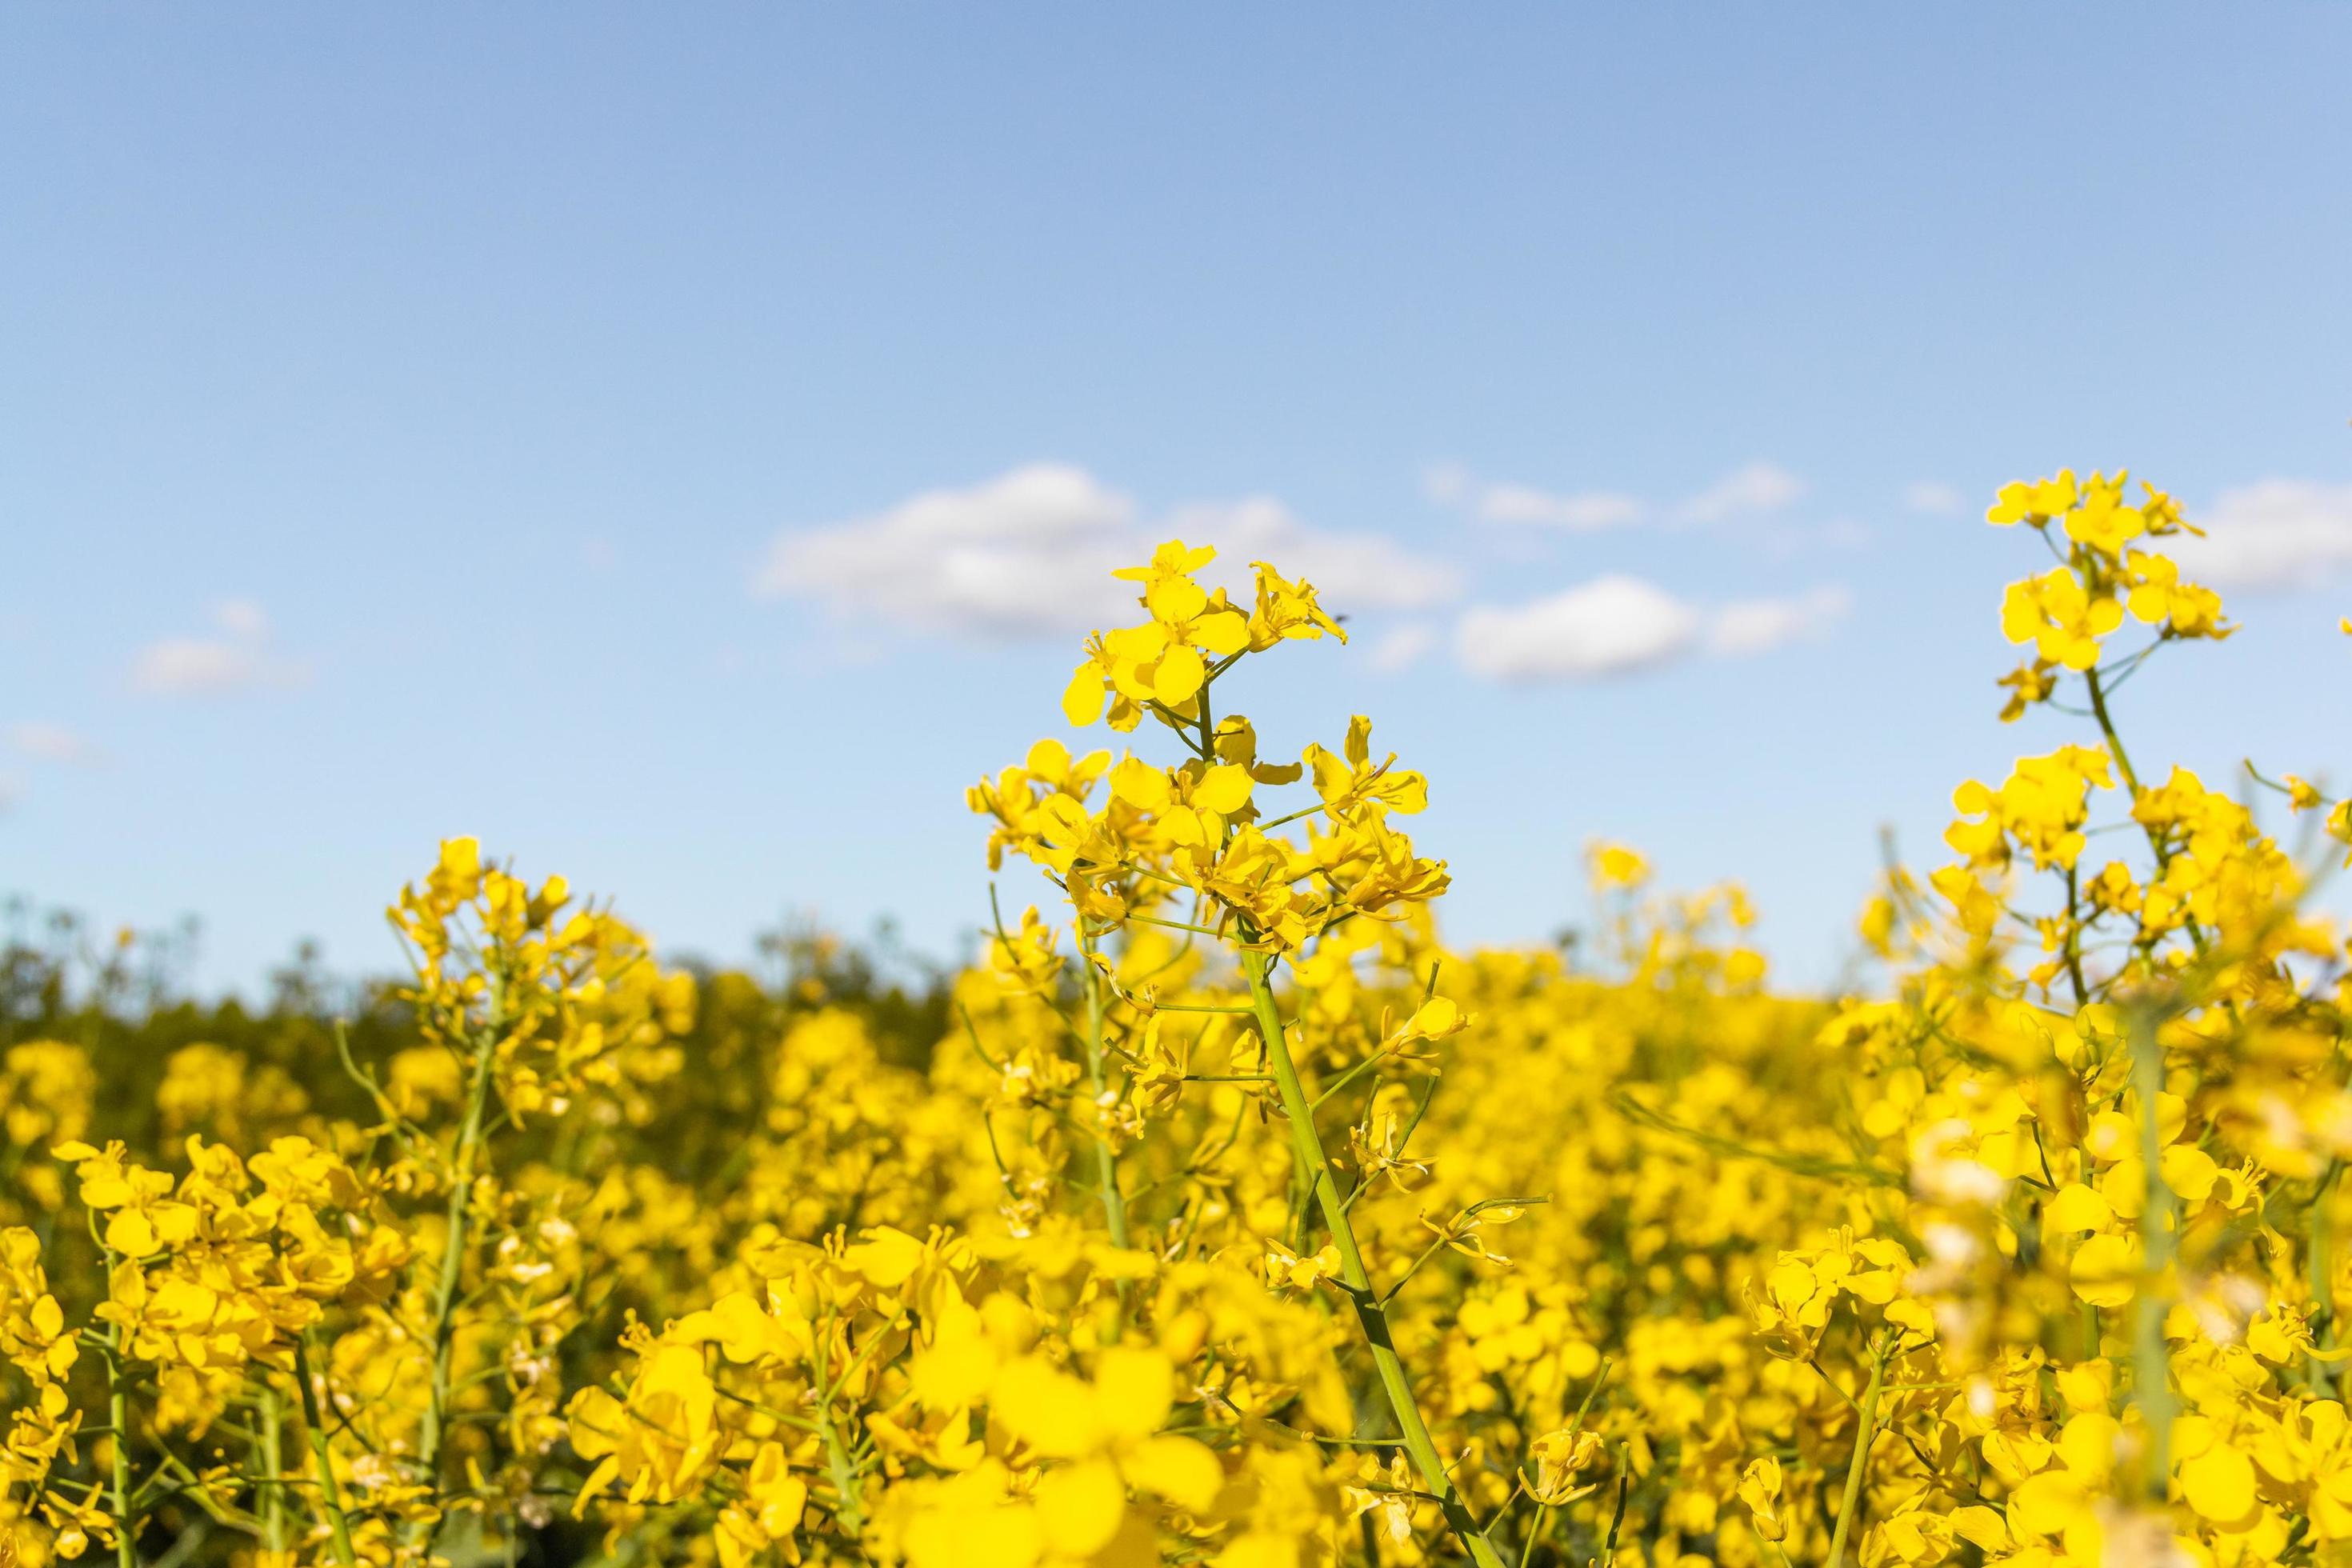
610	430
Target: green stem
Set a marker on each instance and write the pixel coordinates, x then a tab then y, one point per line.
273	1468
2320	1269
1432	1250
1315	1166
2131	782
1850	1508
452	1254
1535	1533
1114	1205
1351	1075
849	1507
117	1398
2319	1265
330	1490
1188	1007
1130	918
2107	728
2151	1364
2074	942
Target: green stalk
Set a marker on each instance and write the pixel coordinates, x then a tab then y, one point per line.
273	1469
329	1490
2319	1263
849	1509
2319	1270
1371	1316
118	1402
1850	1508
2155	835
452	1252
1113	1205
2107	728
2151	1363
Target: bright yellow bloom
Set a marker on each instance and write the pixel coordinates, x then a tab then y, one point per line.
2062	621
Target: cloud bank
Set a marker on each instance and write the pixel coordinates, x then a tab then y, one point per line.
1617	625
1030	553
1757	489
237	659
2273	533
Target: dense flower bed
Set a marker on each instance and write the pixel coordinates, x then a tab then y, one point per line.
1226	1216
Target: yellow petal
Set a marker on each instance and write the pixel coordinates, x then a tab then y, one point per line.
1131	1389
461	865
2077	1207
1184	826
2220	1484
2047	1504
1980	1526
128	1234
1140	784
1048	1409
1080	1507
2088	1444
1135	645
1260	1549
2189	1172
1184	1472
2103	1269
1223	789
1223	633
886	1258
954	1372
1175	600
1434	1018
997	1537
1066	817
1082	700
1180	675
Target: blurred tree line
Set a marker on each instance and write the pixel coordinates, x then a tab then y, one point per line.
127	999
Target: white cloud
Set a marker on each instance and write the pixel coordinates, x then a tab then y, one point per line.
1758	488
53	743
1032	551
1759	625
1454	486
1845	533
1615	625
240	661
1402	648
180	667
2274	533
1350	571
241	618
1607	626
1029	550
1447	484
1933	498
1582	513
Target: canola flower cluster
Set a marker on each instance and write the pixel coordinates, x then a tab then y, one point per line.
1235	1220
